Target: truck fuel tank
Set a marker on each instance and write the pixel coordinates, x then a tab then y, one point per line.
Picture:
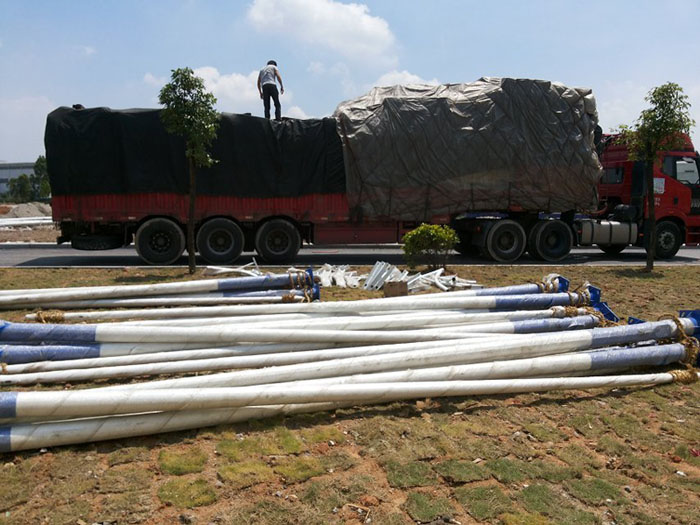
606	232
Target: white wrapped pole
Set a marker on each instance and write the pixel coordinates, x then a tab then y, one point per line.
447	354
25	298
28	436
428	302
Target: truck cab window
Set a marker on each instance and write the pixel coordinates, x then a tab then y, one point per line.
669	165
687	171
613	175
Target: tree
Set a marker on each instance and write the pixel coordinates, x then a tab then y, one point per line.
40	179
661	127
20	189
189	113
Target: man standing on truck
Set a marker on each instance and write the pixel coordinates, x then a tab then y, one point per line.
267	88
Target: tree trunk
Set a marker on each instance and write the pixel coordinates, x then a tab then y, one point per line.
190	218
651	207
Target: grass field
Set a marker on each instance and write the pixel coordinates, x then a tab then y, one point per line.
623	456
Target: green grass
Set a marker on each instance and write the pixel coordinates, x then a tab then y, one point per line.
185	493
296	469
245	473
414	474
182	461
456	471
594	491
483	502
424	508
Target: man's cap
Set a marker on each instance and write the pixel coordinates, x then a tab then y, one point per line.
271	63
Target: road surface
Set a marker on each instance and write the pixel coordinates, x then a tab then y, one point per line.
51	255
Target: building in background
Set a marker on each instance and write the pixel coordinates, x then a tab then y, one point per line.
12	170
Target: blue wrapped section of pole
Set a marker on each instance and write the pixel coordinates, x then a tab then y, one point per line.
5	439
694	316
640	356
47	332
266	282
8	405
554	325
16	354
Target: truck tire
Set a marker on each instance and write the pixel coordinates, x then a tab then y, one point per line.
505	241
669	239
160	241
612	249
96	242
550	240
277	241
220	241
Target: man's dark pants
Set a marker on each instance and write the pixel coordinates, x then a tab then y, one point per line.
270	90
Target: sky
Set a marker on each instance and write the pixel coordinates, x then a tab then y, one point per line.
119	53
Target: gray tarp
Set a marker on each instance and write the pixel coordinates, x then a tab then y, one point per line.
412	152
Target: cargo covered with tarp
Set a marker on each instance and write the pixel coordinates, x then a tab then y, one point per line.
105	151
414	152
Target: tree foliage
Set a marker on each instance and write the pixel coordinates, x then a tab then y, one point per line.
661	127
429	243
19	189
189	113
40	179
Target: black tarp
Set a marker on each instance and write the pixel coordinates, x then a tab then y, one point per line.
100	150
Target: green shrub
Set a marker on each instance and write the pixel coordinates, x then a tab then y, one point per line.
429	244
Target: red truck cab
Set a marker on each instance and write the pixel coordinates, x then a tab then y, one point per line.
622	193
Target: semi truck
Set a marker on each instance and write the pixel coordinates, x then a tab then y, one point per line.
510	164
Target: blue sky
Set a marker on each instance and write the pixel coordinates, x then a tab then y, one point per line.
118	53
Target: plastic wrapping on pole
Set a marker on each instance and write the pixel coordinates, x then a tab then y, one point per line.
29	436
214	285
261	296
69	404
514	347
489	303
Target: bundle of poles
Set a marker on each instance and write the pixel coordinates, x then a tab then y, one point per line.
232	363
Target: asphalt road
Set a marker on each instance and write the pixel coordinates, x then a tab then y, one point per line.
51	255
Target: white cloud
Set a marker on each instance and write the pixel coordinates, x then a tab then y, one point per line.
393	78
22	131
152	80
347	29
87	51
295	112
316	68
235	92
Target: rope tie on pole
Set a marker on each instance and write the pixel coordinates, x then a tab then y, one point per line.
3	366
604	323
692	345
685	377
50	316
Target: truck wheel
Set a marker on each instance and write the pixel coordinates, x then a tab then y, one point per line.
277	241
160	241
550	240
612	249
668	239
505	241
220	241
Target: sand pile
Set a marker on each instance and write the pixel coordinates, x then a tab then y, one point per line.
27	209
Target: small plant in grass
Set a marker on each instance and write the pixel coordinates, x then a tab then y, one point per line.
429	243
187	493
424	508
180	462
127	455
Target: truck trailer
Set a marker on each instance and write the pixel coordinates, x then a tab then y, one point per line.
511	164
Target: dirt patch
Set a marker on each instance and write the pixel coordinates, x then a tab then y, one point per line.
29	234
